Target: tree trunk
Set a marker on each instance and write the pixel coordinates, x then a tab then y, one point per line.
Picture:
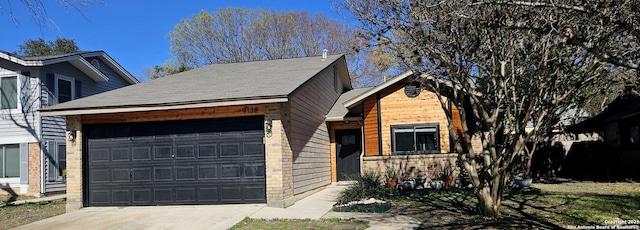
488	205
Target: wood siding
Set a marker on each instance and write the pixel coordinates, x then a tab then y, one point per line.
309	135
177	114
398	109
371	127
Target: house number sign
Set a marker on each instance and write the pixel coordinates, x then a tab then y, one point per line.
250	110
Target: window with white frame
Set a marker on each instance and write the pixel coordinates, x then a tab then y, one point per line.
9	92
62	88
415	138
9	161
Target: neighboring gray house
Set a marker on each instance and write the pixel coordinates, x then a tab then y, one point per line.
32	147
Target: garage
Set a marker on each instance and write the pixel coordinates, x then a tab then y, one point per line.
210	161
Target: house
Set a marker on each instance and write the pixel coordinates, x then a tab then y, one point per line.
32	146
619	126
255	132
397	125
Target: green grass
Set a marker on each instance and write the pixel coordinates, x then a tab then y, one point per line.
16	215
549	206
581	203
286	224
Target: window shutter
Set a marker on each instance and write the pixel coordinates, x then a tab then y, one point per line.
24	163
25	91
78	89
51	84
52	164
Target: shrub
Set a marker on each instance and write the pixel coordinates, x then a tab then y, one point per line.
367	186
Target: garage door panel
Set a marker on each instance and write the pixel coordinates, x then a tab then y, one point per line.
141	196
195	162
162	174
141	153
186	173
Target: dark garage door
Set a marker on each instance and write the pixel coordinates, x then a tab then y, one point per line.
176	162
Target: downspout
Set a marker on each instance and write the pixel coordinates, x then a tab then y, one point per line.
379	117
362	153
40	136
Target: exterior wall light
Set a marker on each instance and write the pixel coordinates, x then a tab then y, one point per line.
268	125
72	135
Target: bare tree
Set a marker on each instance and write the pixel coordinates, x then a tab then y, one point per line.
241	35
510	67
38	9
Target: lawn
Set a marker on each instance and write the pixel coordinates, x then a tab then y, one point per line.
284	224
16	215
548	206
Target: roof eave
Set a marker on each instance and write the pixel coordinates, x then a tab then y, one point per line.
356	100
139	108
114	65
88	69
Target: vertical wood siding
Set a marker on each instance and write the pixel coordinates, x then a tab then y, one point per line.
371	126
309	136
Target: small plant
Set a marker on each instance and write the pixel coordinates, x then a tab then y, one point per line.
367	186
390	173
446	172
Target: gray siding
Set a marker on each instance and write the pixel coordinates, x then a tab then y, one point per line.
20	125
53	127
309	135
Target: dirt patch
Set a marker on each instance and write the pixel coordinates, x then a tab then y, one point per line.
249	223
17	215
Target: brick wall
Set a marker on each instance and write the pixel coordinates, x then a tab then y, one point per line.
74	164
35	164
279	157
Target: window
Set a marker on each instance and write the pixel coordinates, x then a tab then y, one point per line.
61	88
57	159
415	139
9	161
9	93
64	90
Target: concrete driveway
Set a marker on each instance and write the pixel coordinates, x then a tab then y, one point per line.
154	217
314	206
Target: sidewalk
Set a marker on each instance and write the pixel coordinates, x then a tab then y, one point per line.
319	205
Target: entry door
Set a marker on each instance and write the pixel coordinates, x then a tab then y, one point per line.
348	149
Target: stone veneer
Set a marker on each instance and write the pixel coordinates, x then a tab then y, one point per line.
279	158
429	163
35	164
74	164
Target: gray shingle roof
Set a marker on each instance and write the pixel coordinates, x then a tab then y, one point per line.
339	111
213	83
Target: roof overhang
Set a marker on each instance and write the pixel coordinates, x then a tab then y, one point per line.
113	65
79	61
145	108
343	119
88	69
356	100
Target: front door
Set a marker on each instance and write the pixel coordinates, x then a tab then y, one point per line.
348	149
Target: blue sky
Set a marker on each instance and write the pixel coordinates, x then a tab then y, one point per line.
133	32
